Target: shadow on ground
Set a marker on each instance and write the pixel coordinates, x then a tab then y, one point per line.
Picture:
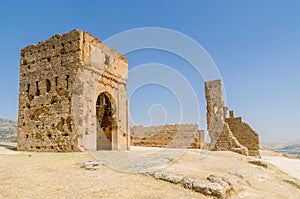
9	147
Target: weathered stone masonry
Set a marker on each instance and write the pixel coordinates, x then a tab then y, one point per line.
227	133
170	136
72	95
244	134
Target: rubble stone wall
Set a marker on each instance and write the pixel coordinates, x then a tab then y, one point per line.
169	136
245	135
222	138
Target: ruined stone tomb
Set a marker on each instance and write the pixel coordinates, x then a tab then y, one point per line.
73	95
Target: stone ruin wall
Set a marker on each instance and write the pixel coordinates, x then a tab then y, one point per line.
215	109
244	133
48	74
168	136
95	77
227	133
221	136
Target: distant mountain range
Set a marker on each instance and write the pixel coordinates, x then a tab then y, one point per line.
282	146
8	130
295	147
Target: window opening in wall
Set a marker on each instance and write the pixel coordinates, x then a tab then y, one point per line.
48	85
56	81
37	89
67	79
106	60
28	88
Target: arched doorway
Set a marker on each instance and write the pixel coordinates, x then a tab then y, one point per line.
105	122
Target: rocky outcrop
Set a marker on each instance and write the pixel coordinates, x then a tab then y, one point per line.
8	130
212	186
92	165
259	163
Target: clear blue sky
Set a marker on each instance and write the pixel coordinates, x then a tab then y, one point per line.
255	44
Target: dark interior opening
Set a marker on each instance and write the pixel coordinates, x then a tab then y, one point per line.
105	122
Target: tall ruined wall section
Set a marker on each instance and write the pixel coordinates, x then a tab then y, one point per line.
219	131
245	135
47	73
170	136
215	109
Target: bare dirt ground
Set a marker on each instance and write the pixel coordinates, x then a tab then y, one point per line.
59	175
286	162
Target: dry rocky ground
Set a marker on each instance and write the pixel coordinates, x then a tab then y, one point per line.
59	175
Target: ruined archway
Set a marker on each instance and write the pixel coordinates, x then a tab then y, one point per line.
106	125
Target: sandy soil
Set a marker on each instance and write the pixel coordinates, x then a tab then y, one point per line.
59	175
290	166
8	148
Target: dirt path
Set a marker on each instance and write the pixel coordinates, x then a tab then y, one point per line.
290	166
